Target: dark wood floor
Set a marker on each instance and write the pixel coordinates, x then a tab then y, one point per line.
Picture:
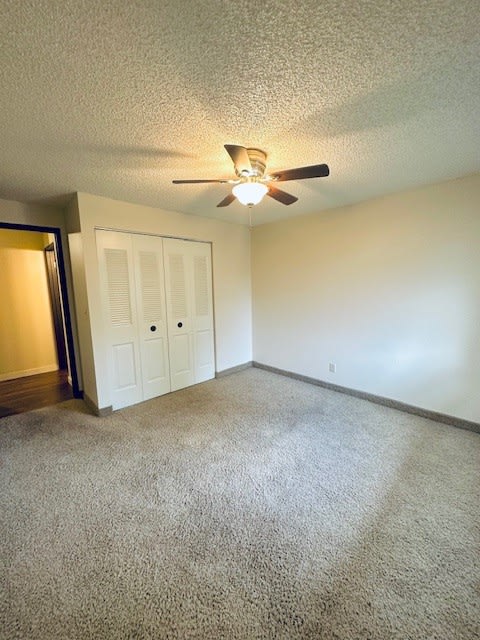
33	392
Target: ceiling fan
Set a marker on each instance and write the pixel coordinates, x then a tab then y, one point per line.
252	183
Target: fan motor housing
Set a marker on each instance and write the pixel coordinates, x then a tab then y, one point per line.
258	160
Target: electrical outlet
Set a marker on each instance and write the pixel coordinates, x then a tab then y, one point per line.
332	367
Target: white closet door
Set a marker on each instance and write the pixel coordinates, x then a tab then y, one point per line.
188	286
152	319
158	311
177	288
115	258
202	311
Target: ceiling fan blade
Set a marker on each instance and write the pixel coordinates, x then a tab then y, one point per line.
300	173
199	181
281	196
240	157
226	201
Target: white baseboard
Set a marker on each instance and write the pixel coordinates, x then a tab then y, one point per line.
12	375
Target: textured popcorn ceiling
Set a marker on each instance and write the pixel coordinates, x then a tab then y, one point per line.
118	98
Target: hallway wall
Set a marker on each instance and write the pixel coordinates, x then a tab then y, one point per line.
27	340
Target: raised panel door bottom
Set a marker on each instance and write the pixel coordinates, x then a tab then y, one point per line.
124	365
154	351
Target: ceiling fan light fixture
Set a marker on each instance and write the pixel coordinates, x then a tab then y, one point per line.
249	193
253	183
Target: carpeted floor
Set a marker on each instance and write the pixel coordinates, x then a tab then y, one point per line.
253	506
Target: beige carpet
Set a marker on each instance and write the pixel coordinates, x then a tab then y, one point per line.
253	506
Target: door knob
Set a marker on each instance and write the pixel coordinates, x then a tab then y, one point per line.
153	328
180	325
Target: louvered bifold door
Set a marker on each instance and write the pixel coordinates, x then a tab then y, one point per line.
152	319
202	311
115	256
178	296
188	286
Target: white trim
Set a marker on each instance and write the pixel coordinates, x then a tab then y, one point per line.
149	233
12	375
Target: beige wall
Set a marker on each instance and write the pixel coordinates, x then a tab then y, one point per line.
388	290
30	214
86	361
231	280
27	341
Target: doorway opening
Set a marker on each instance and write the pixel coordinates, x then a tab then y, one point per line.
37	358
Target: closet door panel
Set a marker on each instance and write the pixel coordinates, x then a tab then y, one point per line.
188	282
124	365
203	339
203	351
182	356
115	258
179	322
156	367
152	320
